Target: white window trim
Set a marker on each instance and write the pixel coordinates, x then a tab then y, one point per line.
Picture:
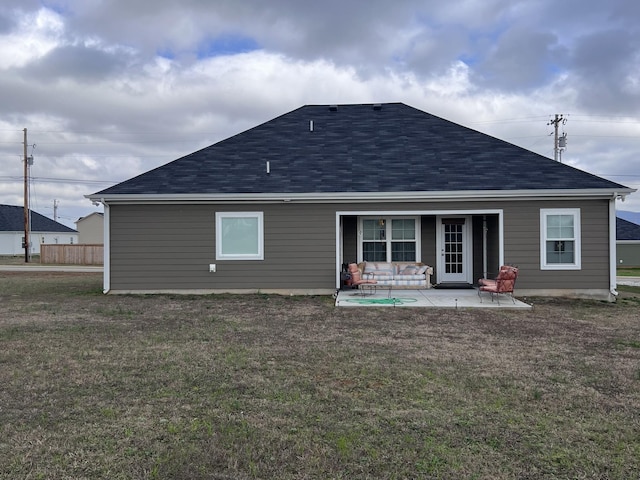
577	265
220	216
388	240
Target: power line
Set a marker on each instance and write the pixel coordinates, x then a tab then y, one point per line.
63	180
71	180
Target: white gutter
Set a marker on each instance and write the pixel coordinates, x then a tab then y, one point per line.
613	283
106	277
454	195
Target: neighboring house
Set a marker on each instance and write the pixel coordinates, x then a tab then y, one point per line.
633	217
281	207
628	243
42	230
91	229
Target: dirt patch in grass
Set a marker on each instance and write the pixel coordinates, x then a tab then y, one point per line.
260	386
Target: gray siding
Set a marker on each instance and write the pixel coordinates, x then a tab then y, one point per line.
522	245
170	247
628	254
428	235
350	239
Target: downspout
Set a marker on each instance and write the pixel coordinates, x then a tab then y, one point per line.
339	241
612	246
106	270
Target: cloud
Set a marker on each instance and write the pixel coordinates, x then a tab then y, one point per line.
109	89
521	59
81	63
6	24
605	69
33	35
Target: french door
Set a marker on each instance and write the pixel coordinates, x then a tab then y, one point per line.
454	246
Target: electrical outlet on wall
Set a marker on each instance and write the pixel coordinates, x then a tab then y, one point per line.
212	267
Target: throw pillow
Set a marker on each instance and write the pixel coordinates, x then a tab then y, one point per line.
410	270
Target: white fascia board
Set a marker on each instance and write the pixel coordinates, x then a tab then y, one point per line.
332	197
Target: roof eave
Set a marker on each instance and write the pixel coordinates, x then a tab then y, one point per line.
453	195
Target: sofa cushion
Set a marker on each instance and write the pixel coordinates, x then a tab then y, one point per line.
409	270
381	276
404	283
379	268
409	277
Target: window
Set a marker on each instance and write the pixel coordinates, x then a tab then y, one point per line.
560	239
403	240
374	236
239	236
389	240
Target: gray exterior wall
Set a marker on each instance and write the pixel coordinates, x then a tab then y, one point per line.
170	247
428	235
628	254
350	239
522	246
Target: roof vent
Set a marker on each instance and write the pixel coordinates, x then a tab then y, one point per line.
377	106
333	108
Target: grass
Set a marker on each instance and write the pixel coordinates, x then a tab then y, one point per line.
628	271
18	259
265	387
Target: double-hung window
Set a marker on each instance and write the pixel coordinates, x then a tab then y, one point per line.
239	236
390	239
560	239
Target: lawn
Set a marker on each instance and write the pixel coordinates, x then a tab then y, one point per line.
264	387
628	272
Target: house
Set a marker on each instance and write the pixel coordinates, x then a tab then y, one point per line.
281	207
42	230
628	243
91	229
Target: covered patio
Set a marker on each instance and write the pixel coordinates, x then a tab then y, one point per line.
460	245
429	298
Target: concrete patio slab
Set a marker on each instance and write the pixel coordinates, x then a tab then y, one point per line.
431	298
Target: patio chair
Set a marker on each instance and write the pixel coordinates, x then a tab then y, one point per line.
358	280
504	283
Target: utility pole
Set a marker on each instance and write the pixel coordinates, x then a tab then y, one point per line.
558	142
26	200
55	210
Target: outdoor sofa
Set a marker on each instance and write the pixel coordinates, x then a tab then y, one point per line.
397	275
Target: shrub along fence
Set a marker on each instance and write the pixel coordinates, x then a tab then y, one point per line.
72	254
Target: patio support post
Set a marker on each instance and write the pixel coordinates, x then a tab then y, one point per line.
484	246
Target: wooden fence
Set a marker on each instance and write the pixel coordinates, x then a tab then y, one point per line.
72	254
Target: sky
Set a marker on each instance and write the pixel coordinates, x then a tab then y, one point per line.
108	89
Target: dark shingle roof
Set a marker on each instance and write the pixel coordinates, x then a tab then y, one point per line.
358	148
12	220
626	230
